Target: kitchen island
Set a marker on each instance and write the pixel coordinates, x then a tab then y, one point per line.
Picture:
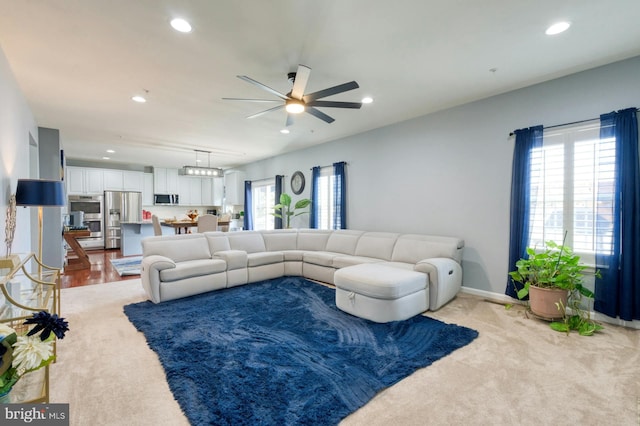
132	233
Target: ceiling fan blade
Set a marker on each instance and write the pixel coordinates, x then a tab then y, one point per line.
263	87
289	120
266	111
300	83
333	104
319	114
251	100
330	91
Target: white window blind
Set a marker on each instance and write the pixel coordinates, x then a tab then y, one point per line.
572	189
263	195
326	206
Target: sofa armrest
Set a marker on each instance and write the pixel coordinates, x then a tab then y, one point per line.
236	259
445	279
150	274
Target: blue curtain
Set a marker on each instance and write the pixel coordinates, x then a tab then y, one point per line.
277	221
339	197
248	206
526	141
313	213
617	293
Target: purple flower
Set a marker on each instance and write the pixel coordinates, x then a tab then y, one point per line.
48	324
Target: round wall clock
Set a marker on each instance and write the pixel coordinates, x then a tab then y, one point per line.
297	183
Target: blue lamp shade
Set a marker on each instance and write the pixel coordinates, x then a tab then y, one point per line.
40	192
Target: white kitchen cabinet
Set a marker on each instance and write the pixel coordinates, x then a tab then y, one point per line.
132	181
207	191
147	189
212	191
165	181
218	191
234	188
172	181
190	191
75	180
84	180
113	180
195	189
160	180
184	191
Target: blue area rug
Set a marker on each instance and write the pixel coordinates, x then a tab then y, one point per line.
127	265
279	352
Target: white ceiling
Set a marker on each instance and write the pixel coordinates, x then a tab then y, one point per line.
78	62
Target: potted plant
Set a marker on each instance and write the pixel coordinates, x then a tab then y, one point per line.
552	278
283	209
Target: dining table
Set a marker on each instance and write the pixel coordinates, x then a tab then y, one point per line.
184	226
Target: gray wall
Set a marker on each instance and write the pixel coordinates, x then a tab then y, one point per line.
17	124
449	173
49	168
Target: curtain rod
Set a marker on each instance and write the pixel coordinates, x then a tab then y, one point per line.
331	165
567	124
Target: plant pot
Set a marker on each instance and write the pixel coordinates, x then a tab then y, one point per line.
542	301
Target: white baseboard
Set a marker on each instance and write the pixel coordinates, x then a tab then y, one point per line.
492	297
503	298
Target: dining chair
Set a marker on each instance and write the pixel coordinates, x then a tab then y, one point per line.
207	222
225	218
157	229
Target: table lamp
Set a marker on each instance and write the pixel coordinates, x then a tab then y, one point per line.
40	193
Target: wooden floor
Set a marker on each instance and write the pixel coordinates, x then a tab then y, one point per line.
101	271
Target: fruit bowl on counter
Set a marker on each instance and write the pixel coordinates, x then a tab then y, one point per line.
192	215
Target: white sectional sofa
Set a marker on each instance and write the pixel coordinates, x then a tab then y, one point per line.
183	265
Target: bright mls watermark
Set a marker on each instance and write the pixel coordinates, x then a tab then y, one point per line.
35	414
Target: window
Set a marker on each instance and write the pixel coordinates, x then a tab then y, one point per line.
263	194
326	206
572	183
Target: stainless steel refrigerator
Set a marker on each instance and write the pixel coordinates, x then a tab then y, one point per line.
120	206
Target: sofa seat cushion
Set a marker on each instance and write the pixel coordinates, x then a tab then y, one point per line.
293	255
236	259
265	258
193	268
380	281
322	258
401	265
346	261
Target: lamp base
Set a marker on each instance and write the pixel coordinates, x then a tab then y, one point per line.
9	262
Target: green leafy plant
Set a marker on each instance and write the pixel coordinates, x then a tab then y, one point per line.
283	210
558	267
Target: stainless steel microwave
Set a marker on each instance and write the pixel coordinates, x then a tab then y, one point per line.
166	199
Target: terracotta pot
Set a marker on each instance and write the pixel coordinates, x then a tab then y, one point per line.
542	301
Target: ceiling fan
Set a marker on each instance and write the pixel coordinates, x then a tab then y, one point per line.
297	101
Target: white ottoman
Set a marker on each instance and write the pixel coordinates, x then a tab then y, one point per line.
381	293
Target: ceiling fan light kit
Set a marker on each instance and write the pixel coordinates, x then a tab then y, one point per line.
294	107
297	101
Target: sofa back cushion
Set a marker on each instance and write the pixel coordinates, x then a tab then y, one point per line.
280	239
343	241
313	239
411	248
218	241
178	248
249	241
376	244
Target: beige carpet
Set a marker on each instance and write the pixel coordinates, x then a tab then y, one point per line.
518	371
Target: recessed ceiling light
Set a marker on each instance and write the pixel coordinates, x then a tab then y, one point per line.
181	25
138	99
110	151
284	131
557	28
106	158
367	100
